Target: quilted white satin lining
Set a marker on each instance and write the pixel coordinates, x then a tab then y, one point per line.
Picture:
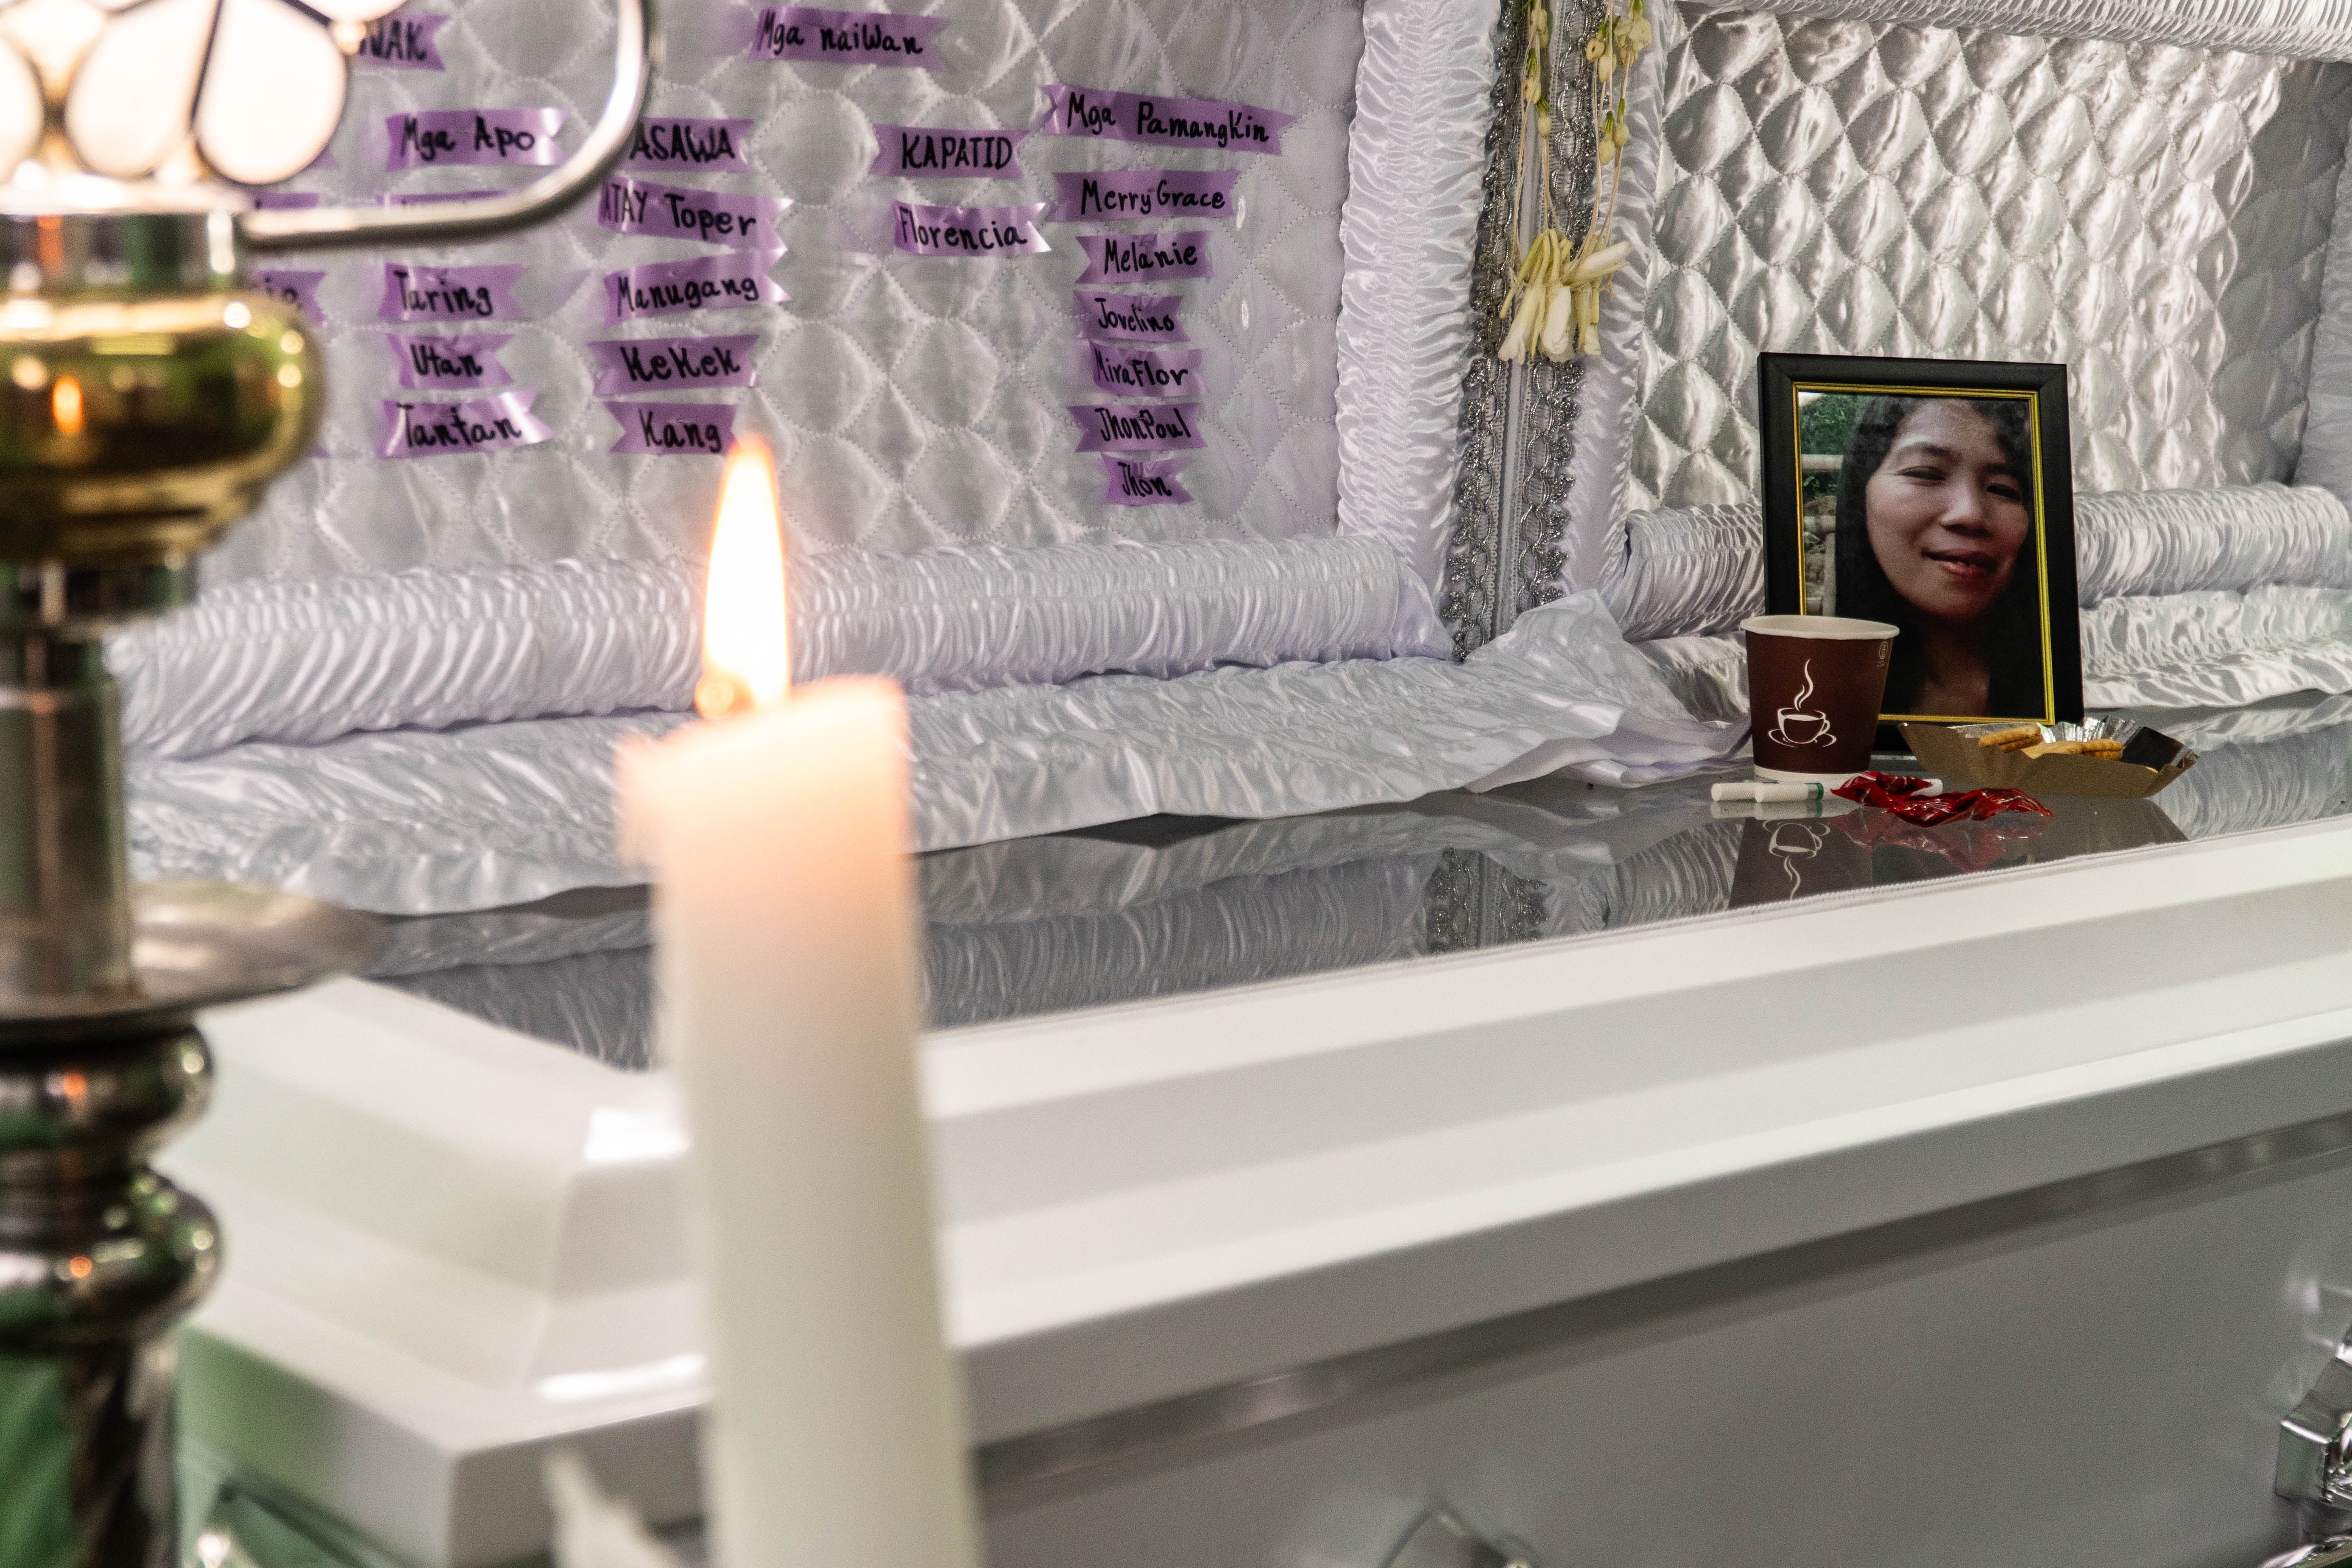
2153	217
308	661
914	402
297	660
423	821
2304	29
1669	411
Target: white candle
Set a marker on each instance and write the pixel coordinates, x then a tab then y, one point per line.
785	914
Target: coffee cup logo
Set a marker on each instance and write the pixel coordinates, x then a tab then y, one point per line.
1800	726
1791	842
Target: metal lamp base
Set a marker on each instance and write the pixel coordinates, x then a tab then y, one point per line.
98	1254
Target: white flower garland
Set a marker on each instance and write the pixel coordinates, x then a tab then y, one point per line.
1558	284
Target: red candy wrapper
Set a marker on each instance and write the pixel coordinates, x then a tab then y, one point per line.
1902	795
1970	846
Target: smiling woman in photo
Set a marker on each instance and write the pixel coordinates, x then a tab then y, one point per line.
1935	533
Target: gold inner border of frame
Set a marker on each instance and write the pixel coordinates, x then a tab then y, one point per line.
2041	544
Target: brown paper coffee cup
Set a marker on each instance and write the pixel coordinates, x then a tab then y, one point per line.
1814	683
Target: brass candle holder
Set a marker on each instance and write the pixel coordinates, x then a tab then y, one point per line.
145	399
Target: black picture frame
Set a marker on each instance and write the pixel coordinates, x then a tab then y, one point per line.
1782	382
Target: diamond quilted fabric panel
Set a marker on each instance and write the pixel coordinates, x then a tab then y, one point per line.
914	401
2155	217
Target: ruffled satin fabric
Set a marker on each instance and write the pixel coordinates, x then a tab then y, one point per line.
400	822
1708	673
1416	168
2170	651
2238	536
418	822
2186	650
309	661
2190	597
1695	570
1610	389
1690	571
2249	783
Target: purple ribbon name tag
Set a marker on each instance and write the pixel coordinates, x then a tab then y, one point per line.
1203	123
705	283
925	152
676	143
1145	258
435	136
450	294
299	289
1144	481
404	43
845	37
464	361
1137	427
284	201
635	365
1143	373
919	231
1132	318
481	424
1093	196
673	429
678	212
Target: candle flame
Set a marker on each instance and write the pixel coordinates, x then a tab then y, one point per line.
746	658
64	405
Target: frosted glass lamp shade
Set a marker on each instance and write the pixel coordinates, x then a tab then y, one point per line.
272	92
128	108
256	87
20	109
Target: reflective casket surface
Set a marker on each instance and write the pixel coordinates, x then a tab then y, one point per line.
1166	906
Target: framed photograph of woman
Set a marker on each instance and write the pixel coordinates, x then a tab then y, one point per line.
1938	496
